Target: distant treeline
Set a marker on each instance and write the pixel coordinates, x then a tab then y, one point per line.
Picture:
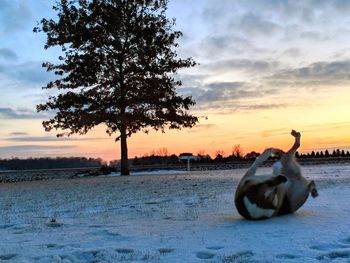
49	163
325	154
155	159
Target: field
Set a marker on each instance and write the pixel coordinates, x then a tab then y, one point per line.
181	217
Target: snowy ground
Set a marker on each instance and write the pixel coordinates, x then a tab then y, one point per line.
186	217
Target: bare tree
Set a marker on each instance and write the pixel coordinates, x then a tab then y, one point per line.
237	151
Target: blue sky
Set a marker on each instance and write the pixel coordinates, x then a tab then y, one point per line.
284	62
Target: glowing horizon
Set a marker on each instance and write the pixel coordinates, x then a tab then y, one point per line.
266	67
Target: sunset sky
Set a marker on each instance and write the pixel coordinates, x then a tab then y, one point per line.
266	66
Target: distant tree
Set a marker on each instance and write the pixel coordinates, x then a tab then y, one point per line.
237	151
342	153
326	153
338	153
162	152
312	154
252	155
114	163
136	161
201	153
220	152
117	69
219	158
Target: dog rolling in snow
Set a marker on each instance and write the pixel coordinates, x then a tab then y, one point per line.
283	192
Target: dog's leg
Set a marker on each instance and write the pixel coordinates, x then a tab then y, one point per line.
289	165
291	152
313	189
259	161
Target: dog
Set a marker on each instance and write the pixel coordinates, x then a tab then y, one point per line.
283	192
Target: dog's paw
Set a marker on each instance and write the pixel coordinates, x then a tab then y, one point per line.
295	134
314	193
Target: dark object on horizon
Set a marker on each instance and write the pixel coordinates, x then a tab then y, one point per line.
105	169
49	163
117	69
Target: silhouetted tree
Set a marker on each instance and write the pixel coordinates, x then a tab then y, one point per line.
162	152
117	69
136	161
337	153
326	153
201	153
219	158
252	155
237	151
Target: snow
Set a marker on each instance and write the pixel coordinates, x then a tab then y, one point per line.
162	172
185	217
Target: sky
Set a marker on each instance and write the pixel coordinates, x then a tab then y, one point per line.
265	67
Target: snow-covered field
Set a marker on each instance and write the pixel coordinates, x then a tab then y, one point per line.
185	217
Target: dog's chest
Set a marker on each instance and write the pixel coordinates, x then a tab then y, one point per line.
255	211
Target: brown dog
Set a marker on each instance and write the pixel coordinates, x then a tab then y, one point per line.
283	192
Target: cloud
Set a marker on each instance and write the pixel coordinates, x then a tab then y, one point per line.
313	35
9	113
246	65
240	107
225	91
342	6
265	106
230	97
219	91
28	72
21	148
217	14
18	133
191	79
275	132
36	150
8	54
50	139
330	126
228	44
255	25
14	15
225	41
201	127
292	52
316	73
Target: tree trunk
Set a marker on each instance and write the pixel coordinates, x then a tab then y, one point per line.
124	165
